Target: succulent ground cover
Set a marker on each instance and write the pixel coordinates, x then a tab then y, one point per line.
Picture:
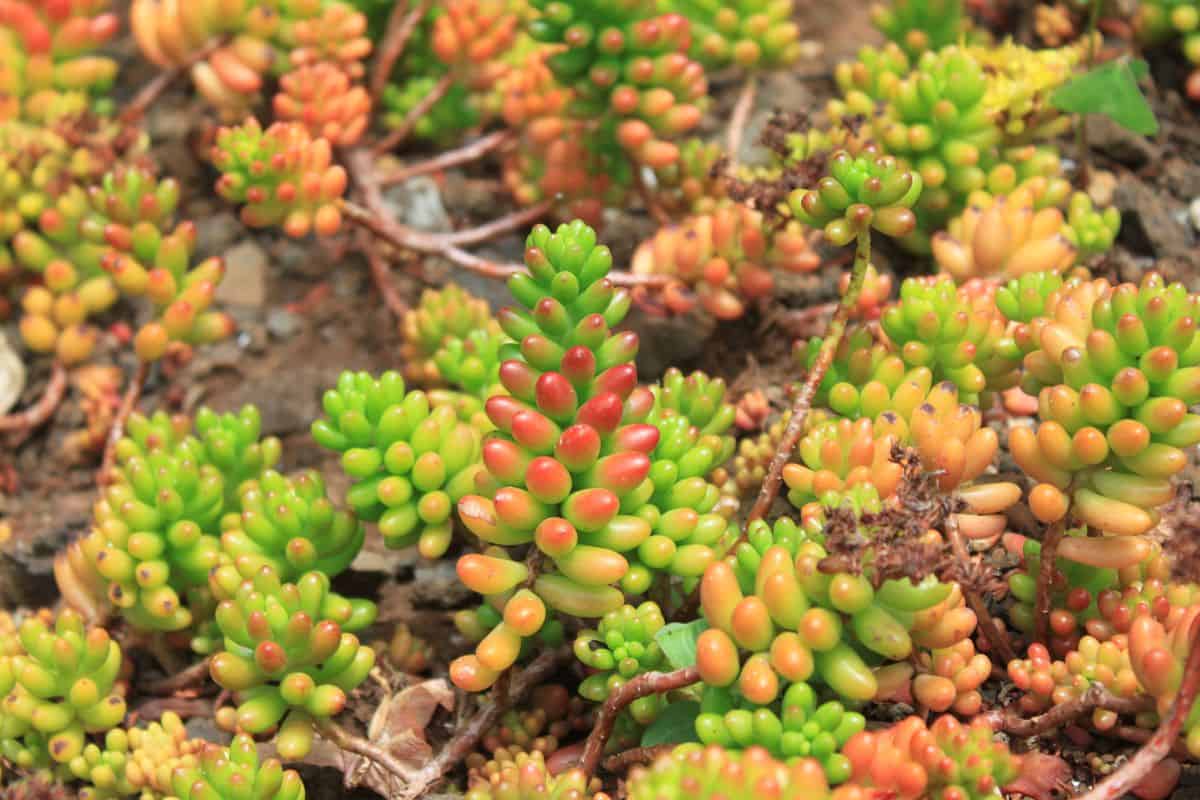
598	398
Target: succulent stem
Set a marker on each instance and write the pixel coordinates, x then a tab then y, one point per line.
43	409
128	403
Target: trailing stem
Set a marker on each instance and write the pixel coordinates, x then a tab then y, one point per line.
989	627
643	685
1159	746
37	414
128	403
1045	578
381	275
451	158
635	756
808	391
1096	696
400	27
185	679
414	115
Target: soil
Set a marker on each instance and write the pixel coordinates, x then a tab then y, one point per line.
307	310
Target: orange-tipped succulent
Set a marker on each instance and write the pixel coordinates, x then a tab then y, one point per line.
321	98
725	259
281	176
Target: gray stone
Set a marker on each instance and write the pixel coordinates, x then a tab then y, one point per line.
1146	215
215	232
437	585
245	282
418	203
283	324
1107	137
1182	177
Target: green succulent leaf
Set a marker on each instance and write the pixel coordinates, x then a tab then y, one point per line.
678	641
1112	90
676	725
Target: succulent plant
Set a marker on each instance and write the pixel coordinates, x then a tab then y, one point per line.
230	771
694	184
59	687
800	728
1091	230
712	772
859	193
1048	682
287	656
280	176
921	25
621	647
628	65
517	775
410	463
752	34
949	678
1114	371
725	258
945	759
405	651
321	98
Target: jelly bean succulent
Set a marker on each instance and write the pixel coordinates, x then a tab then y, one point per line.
517	775
922	25
753	34
280	176
288	655
622	647
713	772
410	462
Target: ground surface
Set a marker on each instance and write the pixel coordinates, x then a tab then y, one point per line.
307	311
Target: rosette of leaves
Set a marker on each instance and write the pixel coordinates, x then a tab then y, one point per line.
517	775
48	51
569	477
945	759
797	728
61	688
752	34
725	258
1115	370
921	25
1047	682
288	655
958	336
290	525
628	66
442	315
870	80
280	176
410	463
233	771
621	647
1007	238
694	184
1157	652
950	677
713	772
136	760
860	192
838	454
321	98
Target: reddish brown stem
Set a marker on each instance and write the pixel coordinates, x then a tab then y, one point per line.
739	117
154	89
128	403
501	225
400	28
397	137
37	414
360	746
637	755
643	685
1045	579
452	158
1158	747
804	398
1132	733
381	274
991	630
185	679
1062	714
467	739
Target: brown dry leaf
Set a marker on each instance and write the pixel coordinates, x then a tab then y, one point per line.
1041	774
398	727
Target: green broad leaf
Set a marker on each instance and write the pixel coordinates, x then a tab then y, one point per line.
1112	90
675	725
678	641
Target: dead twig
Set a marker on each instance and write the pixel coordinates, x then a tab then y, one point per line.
500	225
740	116
1158	747
128	403
38	413
643	685
452	158
381	275
397	136
1096	696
